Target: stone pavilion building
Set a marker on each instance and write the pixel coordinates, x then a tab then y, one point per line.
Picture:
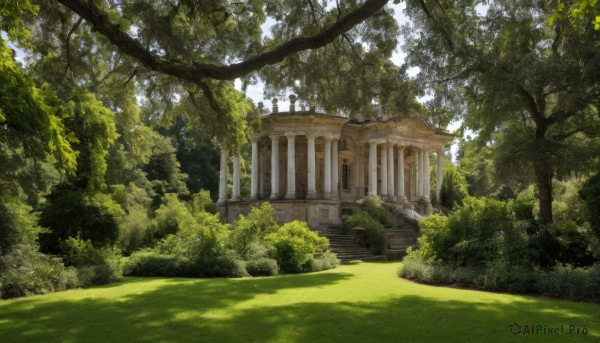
316	167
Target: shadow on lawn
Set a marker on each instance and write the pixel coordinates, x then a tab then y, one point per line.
200	310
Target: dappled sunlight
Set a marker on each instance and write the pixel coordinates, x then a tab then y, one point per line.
353	303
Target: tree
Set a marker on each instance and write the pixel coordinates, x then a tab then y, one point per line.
184	51
34	143
535	84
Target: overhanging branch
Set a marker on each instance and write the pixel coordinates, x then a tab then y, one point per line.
197	71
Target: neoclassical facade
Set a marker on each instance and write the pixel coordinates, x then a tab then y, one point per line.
316	167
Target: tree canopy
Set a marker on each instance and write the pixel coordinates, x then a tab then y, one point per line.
534	84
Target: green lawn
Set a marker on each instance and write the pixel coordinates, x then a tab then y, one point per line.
362	302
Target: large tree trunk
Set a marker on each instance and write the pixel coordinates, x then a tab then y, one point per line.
544	183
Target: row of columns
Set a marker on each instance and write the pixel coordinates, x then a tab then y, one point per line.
330	179
330	164
388	179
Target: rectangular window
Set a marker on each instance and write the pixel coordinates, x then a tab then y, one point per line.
345	175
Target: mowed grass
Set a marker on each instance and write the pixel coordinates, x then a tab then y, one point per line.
361	302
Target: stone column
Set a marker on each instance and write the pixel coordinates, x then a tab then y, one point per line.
372	168
418	173
390	182
384	171
236	177
401	196
335	172
291	166
427	176
439	176
255	172
274	166
223	176
311	191
327	168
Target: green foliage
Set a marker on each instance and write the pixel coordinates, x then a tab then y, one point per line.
163	169
454	187
562	281
151	263
135	230
171	216
202	202
71	212
376	209
590	193
566	204
18	225
368	230
202	240
294	245
262	267
251	229
501	81
93	126
33	139
26	271
23	269
471	236
95	266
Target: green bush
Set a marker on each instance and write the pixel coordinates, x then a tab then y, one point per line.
71	212
262	267
251	229
202	202
326	261
171	216
368	230
563	281
18	225
95	265
136	230
377	210
294	244
25	271
454	187
151	263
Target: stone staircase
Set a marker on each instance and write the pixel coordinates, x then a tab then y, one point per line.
345	246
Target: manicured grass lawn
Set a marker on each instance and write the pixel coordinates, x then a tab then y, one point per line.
362	302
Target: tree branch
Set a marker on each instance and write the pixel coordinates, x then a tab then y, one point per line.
67	45
531	105
197	71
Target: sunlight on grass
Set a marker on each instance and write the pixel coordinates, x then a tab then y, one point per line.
353	303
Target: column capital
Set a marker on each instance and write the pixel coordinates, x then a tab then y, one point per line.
328	138
401	147
290	134
274	136
255	139
376	141
310	135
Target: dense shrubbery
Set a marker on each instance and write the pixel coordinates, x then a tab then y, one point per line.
252	245
369	231
562	281
70	212
369	225
496	245
23	269
295	246
94	265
